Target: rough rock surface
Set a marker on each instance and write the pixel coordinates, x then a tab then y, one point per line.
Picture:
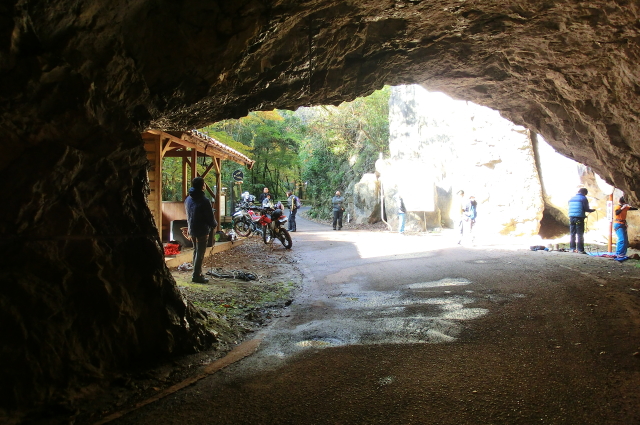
560	177
366	200
84	288
452	145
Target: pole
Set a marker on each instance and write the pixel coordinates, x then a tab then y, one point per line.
231	207
610	216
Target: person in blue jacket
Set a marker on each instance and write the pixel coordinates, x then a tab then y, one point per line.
201	221
578	207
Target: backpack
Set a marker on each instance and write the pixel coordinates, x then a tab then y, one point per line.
295	201
472	213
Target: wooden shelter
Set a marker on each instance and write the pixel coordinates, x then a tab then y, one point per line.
188	145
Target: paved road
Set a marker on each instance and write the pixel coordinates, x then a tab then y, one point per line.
414	329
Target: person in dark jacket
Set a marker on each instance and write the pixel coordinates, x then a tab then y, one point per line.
200	221
620	226
338	209
263	195
292	204
578	207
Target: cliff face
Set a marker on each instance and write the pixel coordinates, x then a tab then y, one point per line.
439	146
85	284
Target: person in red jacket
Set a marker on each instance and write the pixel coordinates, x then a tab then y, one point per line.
620	226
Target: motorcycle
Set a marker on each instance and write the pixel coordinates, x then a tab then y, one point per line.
246	221
272	222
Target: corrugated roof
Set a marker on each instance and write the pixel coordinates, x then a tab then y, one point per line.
213	142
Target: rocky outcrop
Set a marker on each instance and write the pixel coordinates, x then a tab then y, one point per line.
439	146
366	200
84	283
561	177
437	142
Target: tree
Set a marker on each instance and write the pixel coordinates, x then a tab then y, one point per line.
341	144
272	139
313	151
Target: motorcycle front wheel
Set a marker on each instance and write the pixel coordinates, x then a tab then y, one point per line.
242	228
285	238
267	234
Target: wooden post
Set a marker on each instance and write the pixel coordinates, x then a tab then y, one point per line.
153	148
610	205
218	164
194	163
185	183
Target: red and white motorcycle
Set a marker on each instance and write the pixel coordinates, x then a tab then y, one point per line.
272	223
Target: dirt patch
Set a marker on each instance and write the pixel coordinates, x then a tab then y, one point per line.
234	306
234	309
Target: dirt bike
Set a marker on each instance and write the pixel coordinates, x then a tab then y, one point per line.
246	221
272	222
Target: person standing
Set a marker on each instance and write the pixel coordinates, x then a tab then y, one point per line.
402	215
620	226
338	209
200	222
470	213
292	203
578	207
266	201
263	195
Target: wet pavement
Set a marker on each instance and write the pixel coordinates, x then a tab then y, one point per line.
414	329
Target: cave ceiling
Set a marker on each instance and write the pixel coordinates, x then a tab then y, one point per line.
564	69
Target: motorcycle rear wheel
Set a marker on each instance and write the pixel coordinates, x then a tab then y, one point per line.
242	228
285	238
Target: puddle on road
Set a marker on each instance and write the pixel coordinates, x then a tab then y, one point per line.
448	281
404	316
319	343
466	314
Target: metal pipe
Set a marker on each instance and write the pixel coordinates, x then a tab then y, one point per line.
610	217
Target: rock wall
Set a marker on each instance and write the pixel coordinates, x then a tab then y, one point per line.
560	178
80	79
438	142
439	145
366	200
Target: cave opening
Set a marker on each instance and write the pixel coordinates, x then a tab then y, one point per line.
550	226
85	283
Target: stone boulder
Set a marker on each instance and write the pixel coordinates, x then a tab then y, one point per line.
439	145
366	200
561	177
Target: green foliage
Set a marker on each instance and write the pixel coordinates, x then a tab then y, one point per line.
172	179
271	139
341	144
313	151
